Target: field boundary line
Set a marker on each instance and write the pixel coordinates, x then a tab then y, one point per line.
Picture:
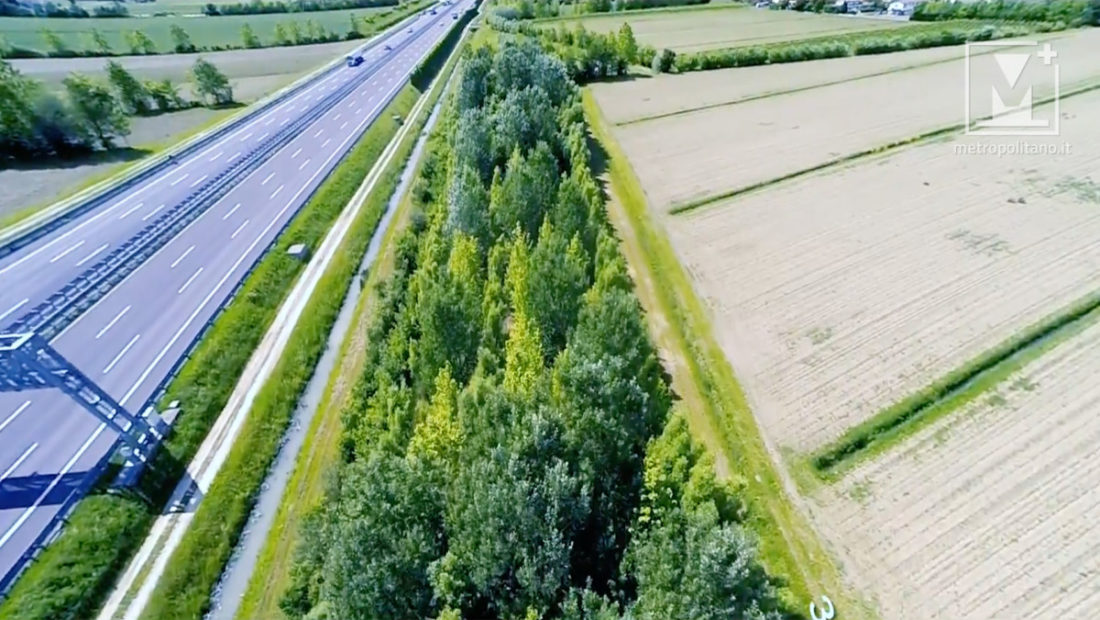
952	391
858	156
49	214
790	546
696	8
791	91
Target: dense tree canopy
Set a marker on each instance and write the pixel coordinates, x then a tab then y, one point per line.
512	451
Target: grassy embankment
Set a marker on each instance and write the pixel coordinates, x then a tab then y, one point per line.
67	581
789	547
196	564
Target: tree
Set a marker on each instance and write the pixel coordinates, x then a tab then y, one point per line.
181	40
130	91
281	37
100	43
210	83
97	108
140	43
627	45
164	94
293	32
248	37
663	61
54	43
314	32
17	118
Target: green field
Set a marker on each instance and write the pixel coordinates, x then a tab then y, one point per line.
206	32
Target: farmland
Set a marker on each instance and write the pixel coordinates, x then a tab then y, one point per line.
858	255
205	32
706	27
692	158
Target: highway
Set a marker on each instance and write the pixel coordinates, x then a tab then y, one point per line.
131	339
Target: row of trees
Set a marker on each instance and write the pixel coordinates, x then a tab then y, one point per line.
254	7
89	114
53	9
137	42
587	55
511	450
534	9
1068	12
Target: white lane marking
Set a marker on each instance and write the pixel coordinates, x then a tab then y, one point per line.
269	121
319	132
304	164
243	224
220	153
189	281
15	414
108	326
359	111
285	121
66	252
131	210
267	179
326	143
49	489
18	461
246	136
296	153
344	125
124	351
276	192
235	156
94	253
374	83
264	137
152	213
198	180
179	180
231	211
181	257
13	309
337	117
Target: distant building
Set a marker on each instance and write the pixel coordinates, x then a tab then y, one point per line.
902	7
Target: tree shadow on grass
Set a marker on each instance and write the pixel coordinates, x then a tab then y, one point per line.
110	156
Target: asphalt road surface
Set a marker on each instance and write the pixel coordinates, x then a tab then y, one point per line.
130	340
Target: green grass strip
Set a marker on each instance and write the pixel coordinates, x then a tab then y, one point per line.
68	582
789	547
952	391
272	572
627	14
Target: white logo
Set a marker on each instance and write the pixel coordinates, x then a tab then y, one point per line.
828	612
1000	89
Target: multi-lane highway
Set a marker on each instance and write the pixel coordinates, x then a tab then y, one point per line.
130	340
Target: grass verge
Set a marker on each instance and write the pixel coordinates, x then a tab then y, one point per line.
321	449
68	582
952	391
789	548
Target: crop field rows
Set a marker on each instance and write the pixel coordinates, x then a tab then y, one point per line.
846	270
705	28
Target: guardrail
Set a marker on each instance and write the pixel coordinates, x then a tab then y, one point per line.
50	218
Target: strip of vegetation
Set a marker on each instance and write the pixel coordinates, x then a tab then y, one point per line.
550	9
68	582
258	7
1071	13
321	452
290	32
789	547
853	44
504	454
952	391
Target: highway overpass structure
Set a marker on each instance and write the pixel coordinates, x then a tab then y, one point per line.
124	287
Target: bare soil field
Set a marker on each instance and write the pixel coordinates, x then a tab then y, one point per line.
696	29
664	94
991	514
702	155
837	295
